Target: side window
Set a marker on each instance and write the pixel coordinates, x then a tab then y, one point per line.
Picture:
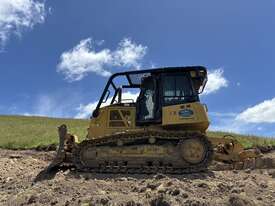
176	88
149	95
169	88
127	117
115	119
182	87
146	100
114	115
120	118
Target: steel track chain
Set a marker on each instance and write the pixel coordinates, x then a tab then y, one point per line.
134	136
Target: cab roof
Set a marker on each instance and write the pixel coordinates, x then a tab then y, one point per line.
134	77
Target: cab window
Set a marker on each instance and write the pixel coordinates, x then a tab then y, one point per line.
177	89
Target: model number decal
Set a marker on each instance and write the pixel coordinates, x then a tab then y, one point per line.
186	113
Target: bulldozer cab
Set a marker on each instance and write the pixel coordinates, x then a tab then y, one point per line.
155	89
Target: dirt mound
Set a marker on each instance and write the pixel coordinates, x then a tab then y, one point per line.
46	148
18	169
266	149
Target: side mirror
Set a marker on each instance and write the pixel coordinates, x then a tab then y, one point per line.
205	107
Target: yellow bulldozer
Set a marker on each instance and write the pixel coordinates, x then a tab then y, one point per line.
162	130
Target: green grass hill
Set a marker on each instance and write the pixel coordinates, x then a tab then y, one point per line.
22	132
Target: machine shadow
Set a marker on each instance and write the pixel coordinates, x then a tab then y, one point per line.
48	174
117	176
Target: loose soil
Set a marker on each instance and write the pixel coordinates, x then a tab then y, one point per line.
20	169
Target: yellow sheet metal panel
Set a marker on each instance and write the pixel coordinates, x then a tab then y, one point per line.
112	119
191	115
98	125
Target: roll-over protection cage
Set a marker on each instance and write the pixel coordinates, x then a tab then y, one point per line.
134	79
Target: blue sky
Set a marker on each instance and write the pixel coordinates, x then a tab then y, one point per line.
55	56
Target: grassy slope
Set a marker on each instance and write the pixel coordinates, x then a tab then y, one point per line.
20	132
28	132
247	141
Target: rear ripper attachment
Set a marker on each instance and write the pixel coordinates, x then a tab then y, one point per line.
228	149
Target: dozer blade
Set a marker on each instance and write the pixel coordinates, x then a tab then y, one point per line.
63	158
229	149
61	153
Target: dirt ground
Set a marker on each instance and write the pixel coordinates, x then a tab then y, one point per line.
18	169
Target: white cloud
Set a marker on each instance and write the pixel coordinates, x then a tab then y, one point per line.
223	115
260	113
18	15
216	81
83	59
45	106
49	106
60	103
226	122
243	124
129	54
85	111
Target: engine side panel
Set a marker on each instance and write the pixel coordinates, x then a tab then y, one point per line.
112	119
190	116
